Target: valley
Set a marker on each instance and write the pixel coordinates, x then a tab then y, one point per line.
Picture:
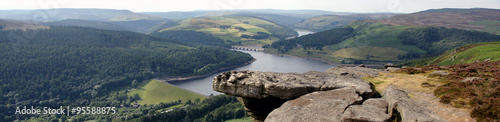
157	66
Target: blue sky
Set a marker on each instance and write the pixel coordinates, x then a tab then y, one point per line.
362	6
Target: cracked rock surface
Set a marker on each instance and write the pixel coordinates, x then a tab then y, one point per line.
321	106
262	92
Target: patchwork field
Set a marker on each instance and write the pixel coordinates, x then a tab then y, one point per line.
229	28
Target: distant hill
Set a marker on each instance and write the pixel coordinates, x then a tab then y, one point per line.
487	20
176	14
20	25
141	26
236	30
145	26
325	22
287	20
82	14
85	23
374	42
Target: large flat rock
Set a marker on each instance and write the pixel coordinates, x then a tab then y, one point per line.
259	85
372	110
322	106
262	92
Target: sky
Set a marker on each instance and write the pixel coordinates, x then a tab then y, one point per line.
359	6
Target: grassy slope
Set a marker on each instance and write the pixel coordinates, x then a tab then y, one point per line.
469	54
210	25
155	92
376	41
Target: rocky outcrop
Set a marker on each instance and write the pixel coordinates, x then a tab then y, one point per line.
409	111
322	106
262	92
372	110
338	94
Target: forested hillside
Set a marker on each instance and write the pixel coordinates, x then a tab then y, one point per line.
436	40
85	23
72	66
192	37
316	40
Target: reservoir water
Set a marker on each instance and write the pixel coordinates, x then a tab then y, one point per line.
265	62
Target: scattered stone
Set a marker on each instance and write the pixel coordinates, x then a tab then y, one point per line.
443	67
408	109
487	60
322	106
427	85
470	79
372	110
392	69
357	72
439	73
388	65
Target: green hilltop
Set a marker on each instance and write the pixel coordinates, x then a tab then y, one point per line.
236	30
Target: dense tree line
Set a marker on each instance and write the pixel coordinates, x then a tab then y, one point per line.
436	40
213	109
145	26
260	35
75	66
192	37
240	28
86	23
315	41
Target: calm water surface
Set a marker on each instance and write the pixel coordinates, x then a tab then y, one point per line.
265	62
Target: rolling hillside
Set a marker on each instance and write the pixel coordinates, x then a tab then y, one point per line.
20	25
237	30
487	20
371	42
477	52
82	14
325	22
86	23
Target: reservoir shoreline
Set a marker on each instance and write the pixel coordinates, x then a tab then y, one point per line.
170	78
